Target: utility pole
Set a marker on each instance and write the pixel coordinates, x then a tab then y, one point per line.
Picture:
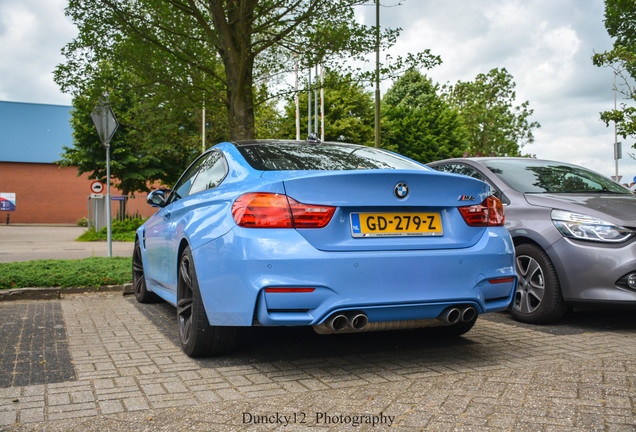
616	149
203	127
377	73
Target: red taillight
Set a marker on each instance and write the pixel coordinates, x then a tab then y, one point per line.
289	290
502	280
270	210
262	210
489	213
310	216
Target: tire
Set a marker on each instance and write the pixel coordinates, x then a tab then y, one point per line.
139	279
198	338
453	330
538	299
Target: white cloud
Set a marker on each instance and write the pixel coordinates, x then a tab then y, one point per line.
546	45
32	33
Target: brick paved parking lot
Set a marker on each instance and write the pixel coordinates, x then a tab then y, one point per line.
102	362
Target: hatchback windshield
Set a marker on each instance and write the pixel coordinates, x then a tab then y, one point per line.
536	176
281	156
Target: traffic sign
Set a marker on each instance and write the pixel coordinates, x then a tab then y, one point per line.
105	121
97	187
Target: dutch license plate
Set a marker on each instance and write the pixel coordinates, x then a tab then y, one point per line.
396	224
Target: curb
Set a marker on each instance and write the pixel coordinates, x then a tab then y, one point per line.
53	293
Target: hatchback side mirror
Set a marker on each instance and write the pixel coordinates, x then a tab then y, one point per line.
158	198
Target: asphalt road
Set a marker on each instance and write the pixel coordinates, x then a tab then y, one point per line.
32	242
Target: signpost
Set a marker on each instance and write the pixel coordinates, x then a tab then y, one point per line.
106	125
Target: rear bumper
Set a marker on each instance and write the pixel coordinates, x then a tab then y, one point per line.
234	271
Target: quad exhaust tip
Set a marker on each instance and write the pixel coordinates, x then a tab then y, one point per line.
357	321
453	315
469	314
343	322
337	322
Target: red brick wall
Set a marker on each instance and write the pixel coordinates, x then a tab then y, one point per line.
46	193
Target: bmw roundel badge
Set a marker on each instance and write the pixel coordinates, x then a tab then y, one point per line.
401	190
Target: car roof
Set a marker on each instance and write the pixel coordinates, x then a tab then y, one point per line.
497	158
242	143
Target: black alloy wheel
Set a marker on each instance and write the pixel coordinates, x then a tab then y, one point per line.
138	278
197	336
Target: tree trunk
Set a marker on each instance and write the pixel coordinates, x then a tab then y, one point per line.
241	100
233	24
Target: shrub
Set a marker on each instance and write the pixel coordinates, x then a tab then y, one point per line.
121	231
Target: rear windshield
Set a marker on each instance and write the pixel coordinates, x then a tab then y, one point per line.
298	156
536	176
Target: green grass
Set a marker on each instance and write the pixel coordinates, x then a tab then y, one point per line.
121	231
88	272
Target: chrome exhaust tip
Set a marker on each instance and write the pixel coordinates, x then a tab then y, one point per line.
358	322
451	315
469	314
337	322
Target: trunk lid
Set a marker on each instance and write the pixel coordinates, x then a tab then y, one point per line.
432	199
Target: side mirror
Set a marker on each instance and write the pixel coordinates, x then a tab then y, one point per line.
158	198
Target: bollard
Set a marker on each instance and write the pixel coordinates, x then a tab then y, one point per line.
8	214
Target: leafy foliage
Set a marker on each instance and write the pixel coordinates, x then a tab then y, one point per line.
218	47
418	123
620	22
496	126
123	230
158	134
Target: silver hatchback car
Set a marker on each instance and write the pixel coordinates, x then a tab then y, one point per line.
574	233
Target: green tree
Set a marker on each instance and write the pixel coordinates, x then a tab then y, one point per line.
156	139
495	124
418	123
253	40
348	111
620	22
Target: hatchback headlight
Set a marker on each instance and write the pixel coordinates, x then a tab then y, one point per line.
582	227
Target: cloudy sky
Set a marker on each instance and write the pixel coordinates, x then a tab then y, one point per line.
546	45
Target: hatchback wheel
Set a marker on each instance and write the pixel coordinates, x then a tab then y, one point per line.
138	278
538	299
198	337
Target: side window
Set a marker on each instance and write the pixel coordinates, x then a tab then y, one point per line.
182	188
211	173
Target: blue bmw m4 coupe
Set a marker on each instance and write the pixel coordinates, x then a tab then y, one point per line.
340	237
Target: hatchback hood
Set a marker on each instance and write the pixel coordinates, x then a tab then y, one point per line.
618	209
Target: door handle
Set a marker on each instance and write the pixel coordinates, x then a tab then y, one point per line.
166	215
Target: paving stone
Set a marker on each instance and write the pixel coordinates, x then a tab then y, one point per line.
501	376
